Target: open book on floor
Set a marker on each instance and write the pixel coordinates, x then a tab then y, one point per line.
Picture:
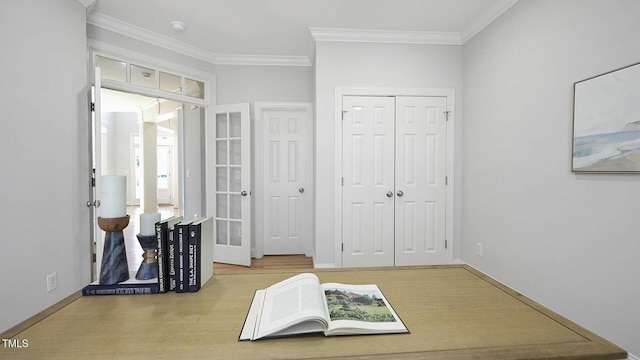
301	305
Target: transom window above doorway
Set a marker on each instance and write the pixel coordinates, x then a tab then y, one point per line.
147	77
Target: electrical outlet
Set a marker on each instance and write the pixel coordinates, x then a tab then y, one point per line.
479	249
52	281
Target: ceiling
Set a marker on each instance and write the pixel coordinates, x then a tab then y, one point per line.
282	32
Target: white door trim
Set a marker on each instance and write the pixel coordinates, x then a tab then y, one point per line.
257	250
384	91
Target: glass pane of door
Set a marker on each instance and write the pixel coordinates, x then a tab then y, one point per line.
228	179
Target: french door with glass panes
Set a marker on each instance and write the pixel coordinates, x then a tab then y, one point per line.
228	182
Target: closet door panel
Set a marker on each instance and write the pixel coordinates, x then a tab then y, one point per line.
368	181
420	180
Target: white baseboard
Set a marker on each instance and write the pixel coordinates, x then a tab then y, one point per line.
333	266
632	357
324	266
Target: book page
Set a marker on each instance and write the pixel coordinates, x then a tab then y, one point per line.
291	302
359	309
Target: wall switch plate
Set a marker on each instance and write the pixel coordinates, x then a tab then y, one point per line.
52	281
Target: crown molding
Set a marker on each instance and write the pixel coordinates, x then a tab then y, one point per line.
485	19
415	37
138	33
318	34
383	36
272	60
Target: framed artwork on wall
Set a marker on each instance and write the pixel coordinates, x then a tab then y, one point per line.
606	122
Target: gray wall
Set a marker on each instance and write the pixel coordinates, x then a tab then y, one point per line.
568	241
369	65
241	84
45	162
193	157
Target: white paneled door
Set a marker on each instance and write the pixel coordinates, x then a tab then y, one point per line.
368	181
394	181
284	201
420	180
229	181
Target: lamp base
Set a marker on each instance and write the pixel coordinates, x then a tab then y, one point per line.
149	267
115	268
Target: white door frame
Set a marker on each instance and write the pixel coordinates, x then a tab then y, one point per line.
257	250
384	91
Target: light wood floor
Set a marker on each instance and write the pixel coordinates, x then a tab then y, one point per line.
280	262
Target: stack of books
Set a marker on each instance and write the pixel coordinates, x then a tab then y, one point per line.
185	260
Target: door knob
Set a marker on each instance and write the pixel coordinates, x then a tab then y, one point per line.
301	190
400	193
244	193
389	194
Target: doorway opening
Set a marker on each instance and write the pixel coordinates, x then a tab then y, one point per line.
124	118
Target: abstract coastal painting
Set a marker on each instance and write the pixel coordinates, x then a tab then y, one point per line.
606	122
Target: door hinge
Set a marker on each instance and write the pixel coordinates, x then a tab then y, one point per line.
93	107
446	115
343	112
342	247
445	243
446	180
342	181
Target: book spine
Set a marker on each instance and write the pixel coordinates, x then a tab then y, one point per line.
161	237
120	289
181	255
171	254
195	278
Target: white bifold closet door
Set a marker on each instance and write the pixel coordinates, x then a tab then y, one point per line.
394	161
368	194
